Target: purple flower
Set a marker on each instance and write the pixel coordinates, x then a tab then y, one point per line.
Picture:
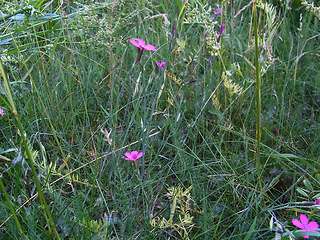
1	112
318	202
162	64
220	32
218	11
133	156
142	45
304	225
221	29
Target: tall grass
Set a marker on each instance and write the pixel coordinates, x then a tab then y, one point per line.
226	157
258	91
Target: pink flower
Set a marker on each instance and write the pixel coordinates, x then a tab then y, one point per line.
221	29
133	156
304	225
1	112
218	11
220	32
162	64
318	202
142	45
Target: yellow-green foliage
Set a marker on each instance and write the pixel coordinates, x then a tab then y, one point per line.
99	21
230	85
13	7
266	57
178	81
215	101
9	7
180	219
93	225
199	14
312	8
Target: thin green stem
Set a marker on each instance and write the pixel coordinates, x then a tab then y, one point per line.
258	92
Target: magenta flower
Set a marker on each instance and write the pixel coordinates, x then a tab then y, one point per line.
1	112
318	202
221	29
162	64
304	225
218	11
133	156
142	45
220	32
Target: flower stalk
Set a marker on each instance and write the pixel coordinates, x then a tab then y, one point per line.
258	92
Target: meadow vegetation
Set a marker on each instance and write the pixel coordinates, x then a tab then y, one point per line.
223	110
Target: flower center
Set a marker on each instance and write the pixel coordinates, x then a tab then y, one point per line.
306	227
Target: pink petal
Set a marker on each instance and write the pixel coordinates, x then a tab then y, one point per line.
140	155
313	225
304	219
306	236
129	156
218	10
221	29
134	154
150	47
297	223
141	42
134	43
162	64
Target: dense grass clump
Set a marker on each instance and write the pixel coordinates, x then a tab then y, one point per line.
220	101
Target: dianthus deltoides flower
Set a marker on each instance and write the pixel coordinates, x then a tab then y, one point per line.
305	225
220	32
218	11
141	44
133	156
1	112
162	64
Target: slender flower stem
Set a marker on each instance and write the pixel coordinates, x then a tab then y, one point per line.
138	57
258	92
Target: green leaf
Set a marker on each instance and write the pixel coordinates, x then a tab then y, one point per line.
302	192
38	4
251	230
308	185
21	17
284	155
301	233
